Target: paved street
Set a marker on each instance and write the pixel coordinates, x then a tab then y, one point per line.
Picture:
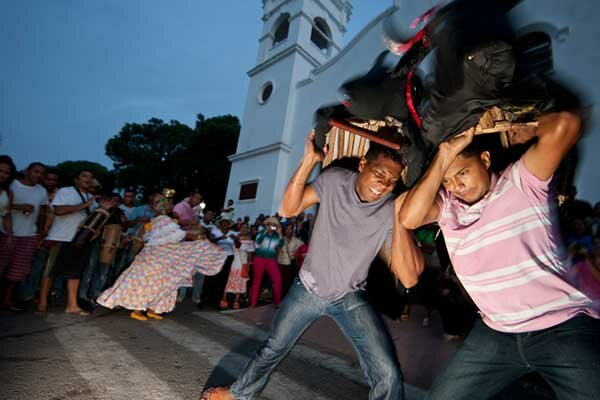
110	356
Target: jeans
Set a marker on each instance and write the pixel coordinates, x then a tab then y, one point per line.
31	284
196	290
88	277
358	322
567	356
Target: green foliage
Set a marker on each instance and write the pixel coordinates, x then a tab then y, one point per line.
156	154
68	169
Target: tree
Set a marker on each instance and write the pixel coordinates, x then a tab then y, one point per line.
69	169
142	153
155	155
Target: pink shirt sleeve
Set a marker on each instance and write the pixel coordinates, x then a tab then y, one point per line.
531	185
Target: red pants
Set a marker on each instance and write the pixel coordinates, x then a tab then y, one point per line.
15	259
258	269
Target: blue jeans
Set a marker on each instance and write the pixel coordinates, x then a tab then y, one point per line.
196	290
567	356
31	284
91	272
357	321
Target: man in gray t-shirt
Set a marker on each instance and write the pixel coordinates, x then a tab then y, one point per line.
357	219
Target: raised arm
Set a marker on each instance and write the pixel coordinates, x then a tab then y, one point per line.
419	207
298	196
403	256
556	133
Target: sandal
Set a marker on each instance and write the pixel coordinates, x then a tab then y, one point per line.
214	393
223	304
236	305
153	315
138	315
80	313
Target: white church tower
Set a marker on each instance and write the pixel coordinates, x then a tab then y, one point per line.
298	36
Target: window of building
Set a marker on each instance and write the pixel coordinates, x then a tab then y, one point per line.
282	30
248	190
265	93
534	54
321	35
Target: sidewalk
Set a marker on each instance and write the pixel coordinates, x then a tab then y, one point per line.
421	350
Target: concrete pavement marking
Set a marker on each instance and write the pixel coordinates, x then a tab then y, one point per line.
303	352
279	386
109	370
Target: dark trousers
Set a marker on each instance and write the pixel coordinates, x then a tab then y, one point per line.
567	356
214	286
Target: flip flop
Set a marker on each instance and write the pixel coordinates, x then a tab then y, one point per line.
80	313
215	393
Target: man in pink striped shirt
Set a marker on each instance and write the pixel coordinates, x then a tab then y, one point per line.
502	236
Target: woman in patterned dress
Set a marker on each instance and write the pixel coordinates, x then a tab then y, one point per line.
239	273
150	284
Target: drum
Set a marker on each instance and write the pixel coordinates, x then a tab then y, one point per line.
110	243
137	241
91	227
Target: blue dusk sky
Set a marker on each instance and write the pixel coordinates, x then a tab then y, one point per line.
74	72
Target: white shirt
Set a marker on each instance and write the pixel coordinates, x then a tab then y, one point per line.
64	227
126	209
25	225
225	244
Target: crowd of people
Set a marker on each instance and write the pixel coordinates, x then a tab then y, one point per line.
42	258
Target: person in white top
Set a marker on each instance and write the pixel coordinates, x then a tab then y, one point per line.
128	202
7	174
71	206
28	196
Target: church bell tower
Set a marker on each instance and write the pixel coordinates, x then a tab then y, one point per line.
298	36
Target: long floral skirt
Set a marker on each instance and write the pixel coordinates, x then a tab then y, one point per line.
152	280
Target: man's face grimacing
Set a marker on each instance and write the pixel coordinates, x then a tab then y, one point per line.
377	177
469	178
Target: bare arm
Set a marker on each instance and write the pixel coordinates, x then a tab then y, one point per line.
66	210
26	208
556	133
298	196
7	219
420	207
403	256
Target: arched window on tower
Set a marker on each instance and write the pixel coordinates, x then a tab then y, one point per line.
534	54
321	35
282	29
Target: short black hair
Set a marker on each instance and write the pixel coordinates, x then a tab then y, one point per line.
376	149
114	194
130	191
36	164
81	171
51	171
4	159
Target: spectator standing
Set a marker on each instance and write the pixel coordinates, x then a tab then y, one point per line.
237	281
268	243
16	252
71	206
31	284
187	210
214	286
227	211
128	204
286	258
198	279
